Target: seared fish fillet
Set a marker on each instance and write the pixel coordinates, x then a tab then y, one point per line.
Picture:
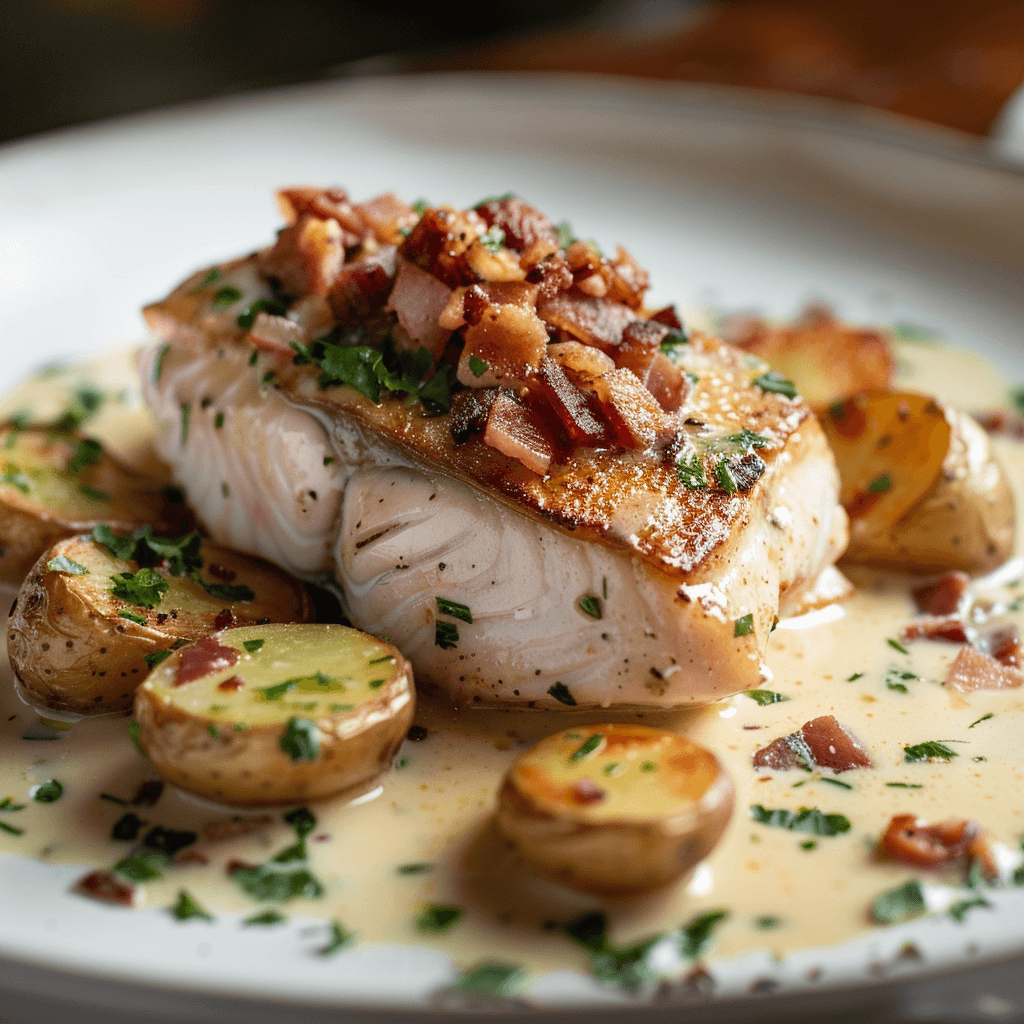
601	511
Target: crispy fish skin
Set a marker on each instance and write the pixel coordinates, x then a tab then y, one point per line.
686	581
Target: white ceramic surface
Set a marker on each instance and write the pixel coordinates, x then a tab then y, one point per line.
730	202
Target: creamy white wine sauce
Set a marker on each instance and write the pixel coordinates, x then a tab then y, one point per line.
424	835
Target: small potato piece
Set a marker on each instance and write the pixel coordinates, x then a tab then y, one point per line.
276	714
77	647
56	484
614	809
921	485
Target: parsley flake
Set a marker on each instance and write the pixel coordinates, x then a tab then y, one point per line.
478	367
301	739
491	978
446	635
764	697
899	904
776	383
590	605
88	453
61	563
48	792
744	625
266	918
454	609
187	909
806	819
931	750
438	917
561	693
691	473
587	747
226	296
145	588
338	939
252	646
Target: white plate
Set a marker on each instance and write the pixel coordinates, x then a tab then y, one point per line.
729	200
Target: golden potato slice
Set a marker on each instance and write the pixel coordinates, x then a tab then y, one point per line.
614	809
920	483
87	625
824	358
276	714
56	484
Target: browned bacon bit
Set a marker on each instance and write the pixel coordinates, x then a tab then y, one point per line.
667	383
669	317
469	412
202	658
972	670
639	347
594	321
519	433
419	299
570	404
586	791
232	685
935	627
106	886
275	334
234	865
957	841
438	244
1004	645
942	596
522	225
231	828
819	743
221	572
148	793
225	617
362	287
191	857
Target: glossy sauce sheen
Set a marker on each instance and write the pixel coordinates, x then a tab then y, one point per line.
435	807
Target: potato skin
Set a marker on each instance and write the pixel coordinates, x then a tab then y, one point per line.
72	653
612	857
966	520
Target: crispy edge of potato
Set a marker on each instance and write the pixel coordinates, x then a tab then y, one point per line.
616	857
966	520
248	768
27	528
71	655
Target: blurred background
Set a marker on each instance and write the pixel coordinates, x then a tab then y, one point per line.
64	62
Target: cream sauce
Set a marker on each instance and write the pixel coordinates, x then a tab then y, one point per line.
435	807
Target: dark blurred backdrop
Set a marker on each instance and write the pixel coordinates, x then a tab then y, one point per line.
948	61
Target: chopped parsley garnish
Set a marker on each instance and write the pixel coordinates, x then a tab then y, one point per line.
744	625
696	936
561	693
587	747
809	844
338	938
48	792
897	646
673	342
85	403
491	978
226	296
186	415
478	367
691	473
743	441
855	677
493	240
252	646
834	782
10	829
301	739
61	563
14	477
1017	399
438	917
158	363
266	884
143	867
218	420
168	840
931	750
565	234
764	697
414	869
724	477
264	919
213	275
225	591
590	605
94	493
88	453
124	613
904	785
187	909
454	609
806	819
369	371
880	484
899	904
775	382
648	766
446	635
767	922
154	659
7	804
145	588
984	718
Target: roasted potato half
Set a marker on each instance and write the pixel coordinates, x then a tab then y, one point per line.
87	625
920	484
276	714
55	484
614	809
